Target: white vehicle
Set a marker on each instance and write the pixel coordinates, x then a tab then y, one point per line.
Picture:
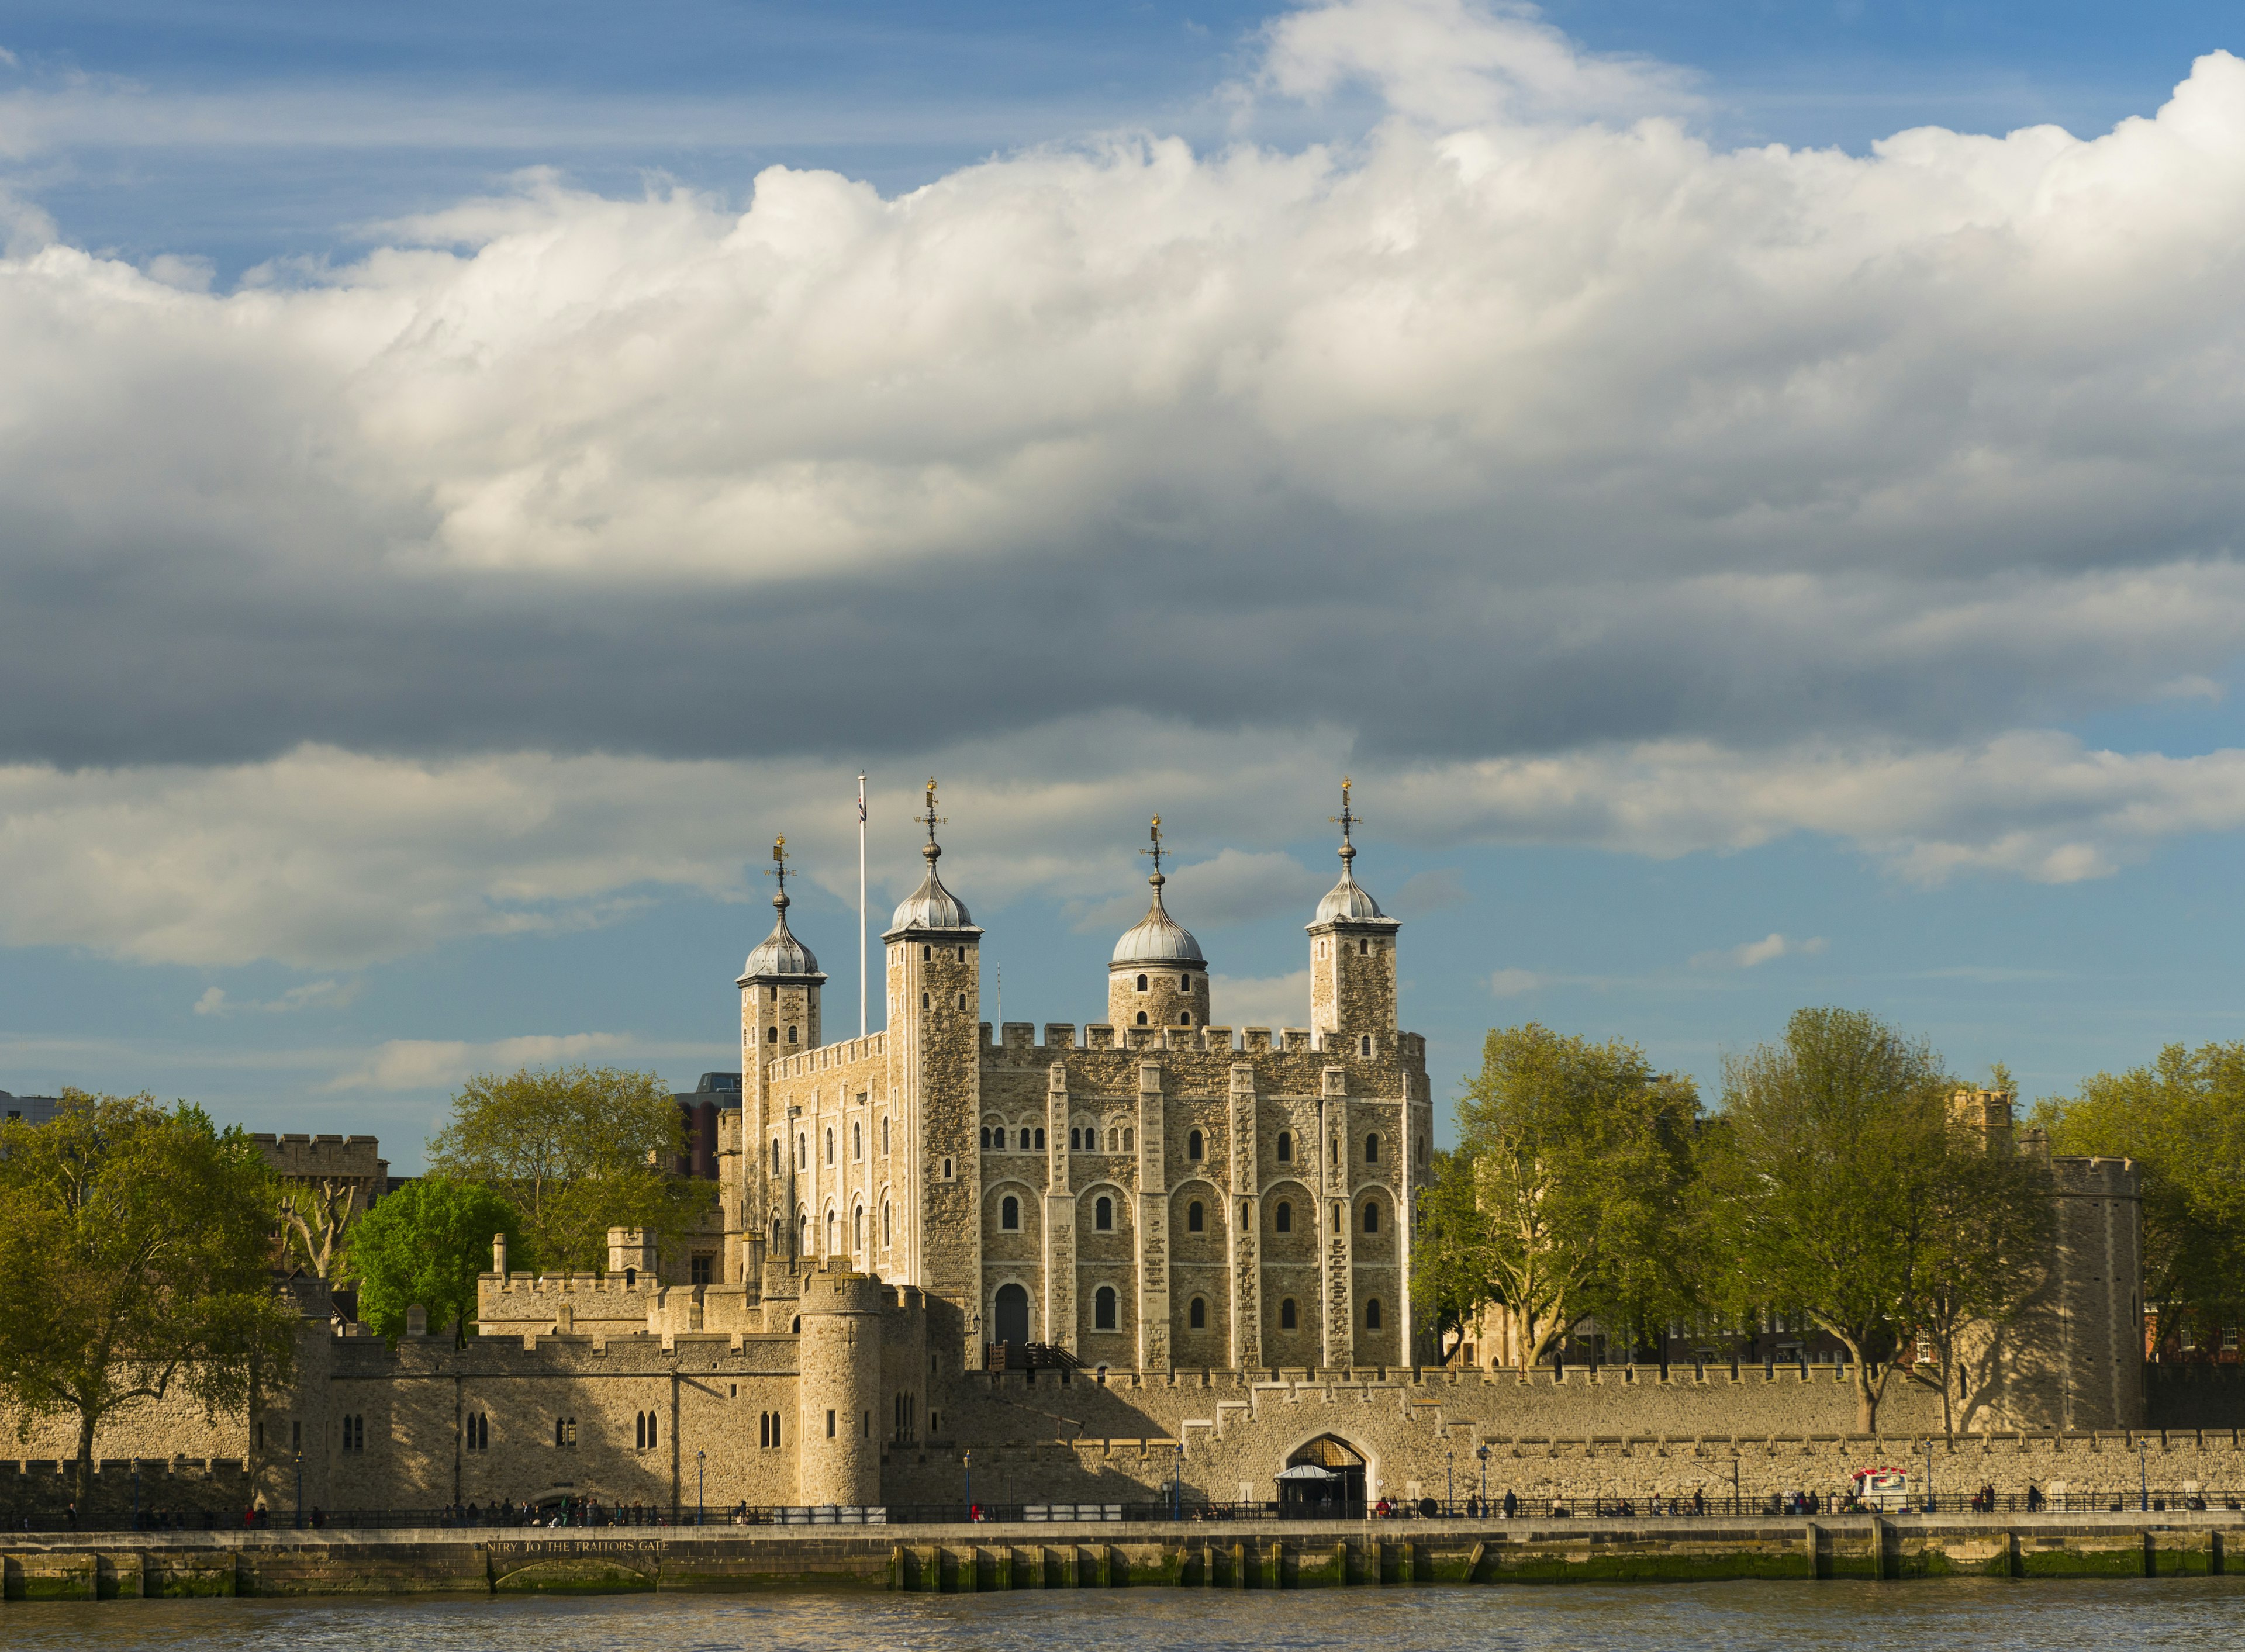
1883	1488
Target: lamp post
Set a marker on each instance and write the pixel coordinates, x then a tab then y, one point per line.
136	1494
966	1463
2143	1475
1450	1478
1178	1481
299	1491
1482	1453
1929	1504
700	1508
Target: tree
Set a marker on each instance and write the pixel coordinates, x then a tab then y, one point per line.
1827	1174
1572	1198
1993	1222
576	1151
1448	1281
314	1214
2182	1120
136	1248
425	1244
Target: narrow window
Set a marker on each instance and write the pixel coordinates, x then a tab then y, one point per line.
923	1000
653	1440
1372	1148
1372	1314
771	1035
1372	1216
829	1424
1192	1144
857	1227
1333	1149
771	995
885	1222
1287	1314
884	1133
1282	1219
830	1233
1193	1217
698	1268
1197	1316
947	1170
631	1278
1285	1146
1184	983
1185	1018
986	1135
858	1140
962	954
802	1150
775	1155
926	954
1103	1216
791	1035
1074	1140
962	1000
1142	1017
639	1431
1363	949
1366	1047
1103	1308
1128	1138
1040	1138
1114	1140
1141	984
829	1146
1009	1214
763	1431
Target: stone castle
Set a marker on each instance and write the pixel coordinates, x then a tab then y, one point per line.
1153	1255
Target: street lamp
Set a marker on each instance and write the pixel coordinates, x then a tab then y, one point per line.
700	1508
299	1491
2144	1473
1482	1453
966	1462
1450	1474
135	1492
1176	1482
1930	1507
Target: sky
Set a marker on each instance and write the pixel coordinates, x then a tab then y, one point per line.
1749	492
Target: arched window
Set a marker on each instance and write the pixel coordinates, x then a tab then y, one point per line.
775	1155
858	1140
962	954
802	1150
631	1278
1009	1214
986	1136
1040	1138
1363	949
653	1435
791	1035
1196	1315
1141	984
1285	1146
771	1035
1194	1216
1185	1018
639	1431
1142	1017
1074	1140
1366	1047
830	1233
1287	1314
1103	1216
1103	1307
1282	1219
1372	1216
1184	983
829	1146
1372	1314
926	954
763	1431
884	1133
1114	1140
857	1227
771	995
1129	1137
1192	1144
885	1222
1372	1148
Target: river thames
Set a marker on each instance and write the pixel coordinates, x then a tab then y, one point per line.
1985	1616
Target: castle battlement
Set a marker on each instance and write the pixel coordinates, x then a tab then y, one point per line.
1015	1043
847	1052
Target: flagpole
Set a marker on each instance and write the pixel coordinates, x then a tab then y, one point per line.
861	906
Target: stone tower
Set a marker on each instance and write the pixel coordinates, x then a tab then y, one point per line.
779	1015
935	1042
839	1458
1157	976
1351	958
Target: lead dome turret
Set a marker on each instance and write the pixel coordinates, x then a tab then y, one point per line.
1157	975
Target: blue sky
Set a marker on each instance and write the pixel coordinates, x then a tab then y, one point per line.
479	471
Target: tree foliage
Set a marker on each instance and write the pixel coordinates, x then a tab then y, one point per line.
2182	1119
1568	1193
315	1214
1828	1175
576	1151
136	1254
425	1244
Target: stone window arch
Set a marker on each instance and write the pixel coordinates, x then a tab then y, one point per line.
1185	1018
1365	1048
1372	1216
830	1233
1142	1017
791	1035
1074	1140
1184	983
1009	1214
986	1138
1372	1148
830	1146
1103	1307
1197	1314
1040	1138
858	1225
1287	1316
1193	1144
1282	1217
771	1034
1103	1215
1285	1146
1372	1314
1195	1216
858	1140
884	1223
1141	984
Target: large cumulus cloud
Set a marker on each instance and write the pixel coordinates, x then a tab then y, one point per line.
1524	435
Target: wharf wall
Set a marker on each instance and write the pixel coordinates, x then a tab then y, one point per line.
980	1558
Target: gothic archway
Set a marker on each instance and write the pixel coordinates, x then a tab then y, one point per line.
1323	1480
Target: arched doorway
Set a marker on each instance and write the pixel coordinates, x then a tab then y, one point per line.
1323	1480
1012	1319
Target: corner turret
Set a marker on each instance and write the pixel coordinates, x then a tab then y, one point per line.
1351	957
1156	976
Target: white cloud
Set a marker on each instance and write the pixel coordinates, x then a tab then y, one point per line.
431	1064
334	995
1513	983
1271	1001
1424	894
1748	954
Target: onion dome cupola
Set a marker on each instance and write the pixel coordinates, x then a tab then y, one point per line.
1352	954
1156	976
779	990
931	906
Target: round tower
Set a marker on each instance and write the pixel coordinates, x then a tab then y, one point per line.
1157	976
1351	958
838	1459
779	1018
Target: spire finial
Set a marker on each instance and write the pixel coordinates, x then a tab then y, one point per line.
933	851
778	869
1156	851
1347	819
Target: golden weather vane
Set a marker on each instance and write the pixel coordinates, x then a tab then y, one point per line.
1156	851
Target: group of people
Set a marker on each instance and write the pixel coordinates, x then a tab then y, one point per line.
570	1511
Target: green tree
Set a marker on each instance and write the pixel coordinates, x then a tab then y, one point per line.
136	1260
1993	1222
1827	1177
576	1150
1449	1281
2182	1120
425	1244
1574	1194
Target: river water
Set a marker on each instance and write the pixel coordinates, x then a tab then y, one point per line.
1977	1615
